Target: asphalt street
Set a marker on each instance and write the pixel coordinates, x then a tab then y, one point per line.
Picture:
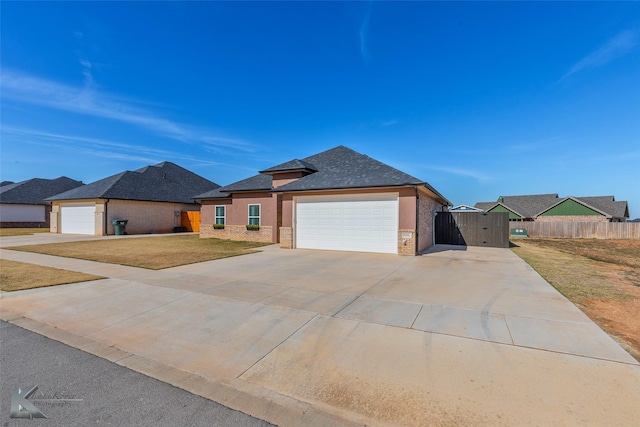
76	388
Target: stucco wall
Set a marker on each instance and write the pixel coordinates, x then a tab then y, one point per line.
24	216
10	212
283	178
146	217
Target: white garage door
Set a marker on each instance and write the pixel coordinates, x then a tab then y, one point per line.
78	219
367	223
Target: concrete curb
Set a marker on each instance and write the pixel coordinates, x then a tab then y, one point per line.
251	399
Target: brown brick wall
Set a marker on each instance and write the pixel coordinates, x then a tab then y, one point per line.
406	241
426	208
572	218
238	232
286	237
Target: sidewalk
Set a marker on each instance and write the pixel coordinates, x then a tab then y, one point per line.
317	338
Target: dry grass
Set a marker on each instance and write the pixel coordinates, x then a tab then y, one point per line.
147	252
601	277
21	231
17	276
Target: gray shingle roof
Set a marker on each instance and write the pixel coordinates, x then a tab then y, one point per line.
527	206
164	182
291	165
35	191
213	194
341	167
337	168
608	205
255	183
533	205
485	206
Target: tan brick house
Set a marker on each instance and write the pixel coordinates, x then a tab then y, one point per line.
151	199
335	200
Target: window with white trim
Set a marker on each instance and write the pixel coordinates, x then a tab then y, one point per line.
221	213
254	215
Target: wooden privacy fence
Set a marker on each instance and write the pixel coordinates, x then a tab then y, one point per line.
490	229
580	230
190	220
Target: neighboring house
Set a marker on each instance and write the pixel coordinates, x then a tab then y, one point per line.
151	199
23	204
336	200
465	208
549	207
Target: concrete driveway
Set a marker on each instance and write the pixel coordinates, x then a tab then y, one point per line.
295	337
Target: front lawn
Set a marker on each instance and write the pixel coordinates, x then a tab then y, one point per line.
17	276
601	277
147	252
21	231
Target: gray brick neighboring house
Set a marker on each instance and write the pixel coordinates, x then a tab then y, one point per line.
23	204
551	208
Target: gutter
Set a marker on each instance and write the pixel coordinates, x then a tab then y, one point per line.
106	221
415	248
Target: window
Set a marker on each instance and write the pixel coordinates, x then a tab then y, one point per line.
254	214
220	214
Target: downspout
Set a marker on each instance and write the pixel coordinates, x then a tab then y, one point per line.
106	221
415	249
433	227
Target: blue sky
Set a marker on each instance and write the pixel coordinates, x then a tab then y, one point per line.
480	99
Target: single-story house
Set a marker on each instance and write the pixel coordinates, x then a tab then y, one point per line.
22	204
465	208
335	200
151	199
550	207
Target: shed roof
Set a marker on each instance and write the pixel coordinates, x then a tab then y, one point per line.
164	182
34	191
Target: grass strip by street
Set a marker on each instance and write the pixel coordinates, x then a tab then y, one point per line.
21	231
601	277
154	253
18	276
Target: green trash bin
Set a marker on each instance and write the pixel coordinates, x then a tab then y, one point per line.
119	226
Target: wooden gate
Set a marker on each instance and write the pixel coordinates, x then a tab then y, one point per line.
490	229
190	220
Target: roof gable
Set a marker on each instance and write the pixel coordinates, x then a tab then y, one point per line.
34	191
164	182
499	207
570	206
465	208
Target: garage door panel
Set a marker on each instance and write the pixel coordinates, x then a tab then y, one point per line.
359	223
78	219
